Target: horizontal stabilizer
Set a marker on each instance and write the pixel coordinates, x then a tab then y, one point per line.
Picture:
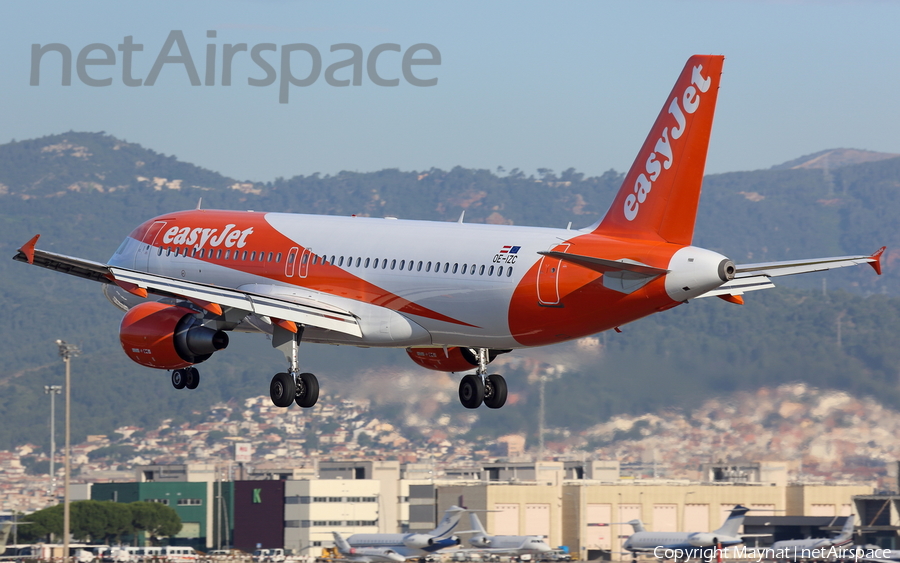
791	267
606	266
740	286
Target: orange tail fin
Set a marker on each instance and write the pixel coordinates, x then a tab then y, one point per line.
658	199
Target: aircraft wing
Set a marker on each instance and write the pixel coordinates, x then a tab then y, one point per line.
210	297
753	277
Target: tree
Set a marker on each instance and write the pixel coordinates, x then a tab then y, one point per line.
96	520
154	519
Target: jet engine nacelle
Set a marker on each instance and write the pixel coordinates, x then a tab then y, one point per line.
418	541
702	540
164	336
456	359
480	541
421	541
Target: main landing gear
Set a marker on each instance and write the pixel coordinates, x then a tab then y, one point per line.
287	388
185	377
478	388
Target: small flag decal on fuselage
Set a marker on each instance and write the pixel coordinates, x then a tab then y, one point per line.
507	255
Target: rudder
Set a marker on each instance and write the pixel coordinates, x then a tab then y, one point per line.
659	197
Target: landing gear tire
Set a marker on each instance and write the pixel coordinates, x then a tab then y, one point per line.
178	379
495	391
307	392
282	390
191	377
471	391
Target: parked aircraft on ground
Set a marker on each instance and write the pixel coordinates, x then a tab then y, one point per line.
414	544
455	295
799	546
5	529
642	541
365	554
510	545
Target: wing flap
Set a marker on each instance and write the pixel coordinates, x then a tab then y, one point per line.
326	318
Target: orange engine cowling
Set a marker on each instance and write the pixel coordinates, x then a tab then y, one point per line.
164	336
455	359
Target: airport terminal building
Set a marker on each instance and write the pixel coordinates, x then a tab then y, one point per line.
573	504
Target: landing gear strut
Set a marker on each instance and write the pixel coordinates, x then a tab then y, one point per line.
478	388
286	388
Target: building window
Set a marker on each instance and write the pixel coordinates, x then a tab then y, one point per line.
335	499
292	523
320	499
190	502
159	500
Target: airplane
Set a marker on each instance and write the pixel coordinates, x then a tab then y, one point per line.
642	541
513	545
844	537
414	544
365	554
454	295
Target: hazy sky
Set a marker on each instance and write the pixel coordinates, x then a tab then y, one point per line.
520	84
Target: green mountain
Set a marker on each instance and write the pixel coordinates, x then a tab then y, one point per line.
84	192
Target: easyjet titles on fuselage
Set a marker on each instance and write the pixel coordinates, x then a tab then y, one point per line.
188	236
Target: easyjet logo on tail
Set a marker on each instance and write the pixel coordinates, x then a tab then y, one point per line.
200	236
661	159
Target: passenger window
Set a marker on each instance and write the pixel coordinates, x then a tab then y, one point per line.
446	267
465	267
341	263
270	257
393	264
455	268
481	270
358	260
367	262
419	268
499	271
253	256
159	251
402	264
332	260
227	254
437	267
168	251
428	267
509	272
219	254
410	265
244	255
491	271
277	256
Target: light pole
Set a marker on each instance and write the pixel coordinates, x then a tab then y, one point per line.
67	352
52	390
